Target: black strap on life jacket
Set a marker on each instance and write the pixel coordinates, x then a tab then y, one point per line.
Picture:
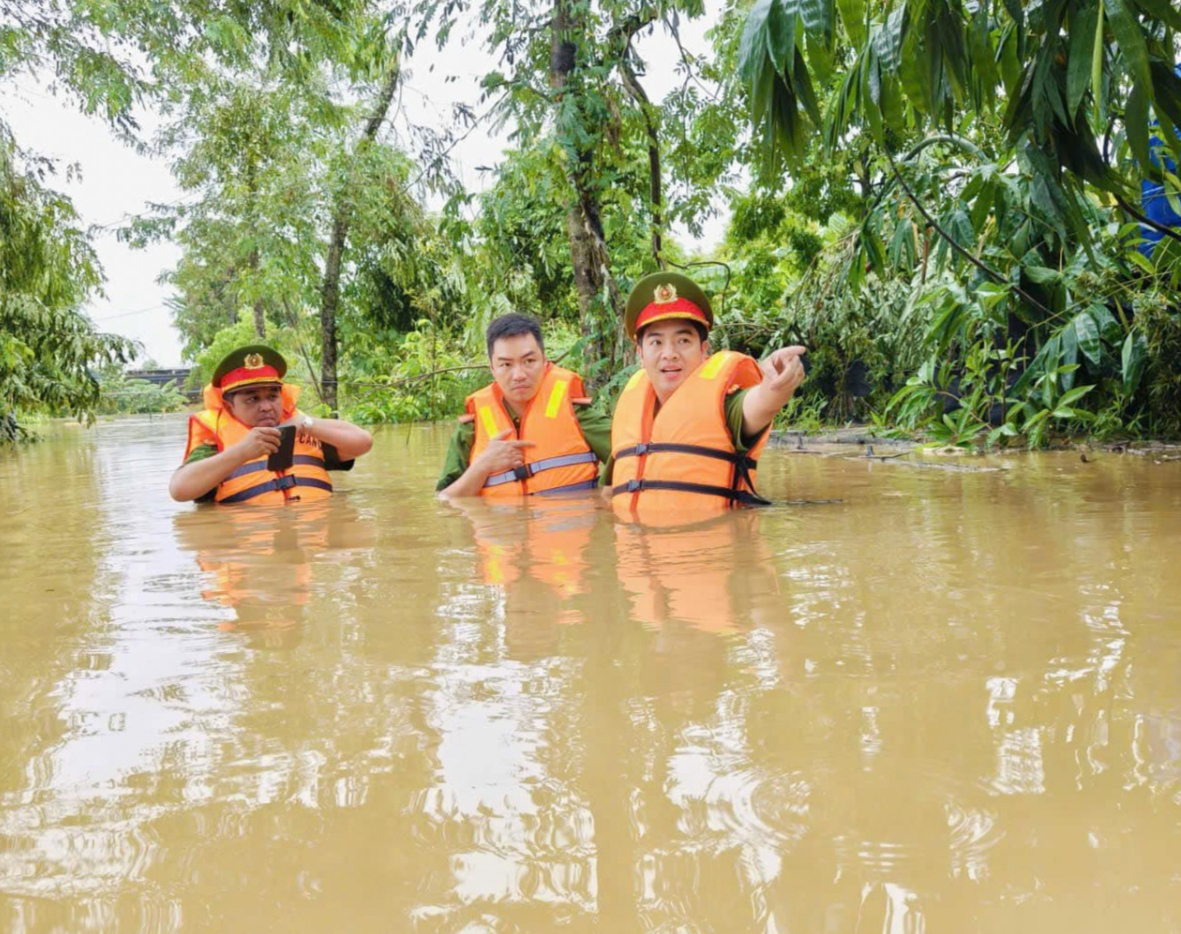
735	493
525	471
277	483
662	447
743	497
308	460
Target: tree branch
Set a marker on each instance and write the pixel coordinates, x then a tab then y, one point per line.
1147	221
988	271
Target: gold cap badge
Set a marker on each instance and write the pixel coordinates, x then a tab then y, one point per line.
664	294
253	361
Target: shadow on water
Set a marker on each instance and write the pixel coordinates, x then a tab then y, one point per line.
947	702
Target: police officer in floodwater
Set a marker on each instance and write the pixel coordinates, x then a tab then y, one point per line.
531	430
689	426
252	445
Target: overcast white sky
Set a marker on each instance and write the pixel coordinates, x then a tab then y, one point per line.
116	182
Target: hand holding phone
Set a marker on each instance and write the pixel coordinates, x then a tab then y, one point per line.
283	458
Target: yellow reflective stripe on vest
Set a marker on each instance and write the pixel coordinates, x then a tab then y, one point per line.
489	421
714	365
555	399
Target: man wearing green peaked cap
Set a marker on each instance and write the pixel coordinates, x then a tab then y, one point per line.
689	425
234	447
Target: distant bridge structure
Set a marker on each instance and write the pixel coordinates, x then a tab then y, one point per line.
177	375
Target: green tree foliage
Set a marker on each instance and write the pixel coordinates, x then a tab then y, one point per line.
48	347
109	57
1000	147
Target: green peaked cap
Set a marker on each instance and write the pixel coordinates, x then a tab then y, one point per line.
240	359
643	294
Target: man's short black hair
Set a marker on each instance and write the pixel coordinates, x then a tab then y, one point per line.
702	330
513	325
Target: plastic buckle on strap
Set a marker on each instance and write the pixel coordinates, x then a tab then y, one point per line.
632	486
284	483
642	448
522	472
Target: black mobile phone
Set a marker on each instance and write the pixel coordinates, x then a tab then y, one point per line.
283	458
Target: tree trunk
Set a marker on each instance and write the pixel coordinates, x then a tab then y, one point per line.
589	255
341	218
328	303
260	317
655	186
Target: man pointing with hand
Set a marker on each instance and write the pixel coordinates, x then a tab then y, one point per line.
531	431
689	426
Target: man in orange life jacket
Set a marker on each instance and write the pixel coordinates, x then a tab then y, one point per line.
531	431
229	442
689	426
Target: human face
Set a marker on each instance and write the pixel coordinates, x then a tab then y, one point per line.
669	352
257	406
517	365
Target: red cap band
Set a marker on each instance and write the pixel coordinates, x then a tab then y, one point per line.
677	308
244	376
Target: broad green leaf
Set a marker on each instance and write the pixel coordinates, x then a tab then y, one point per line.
1105	323
754	43
802	85
1043	275
1133	359
1097	64
901	251
818	17
887	39
1136	124
912	70
853	19
1166	101
1172	187
781	36
1078	65
983	57
990	294
1088	338
1069	355
1164	10
1130	38
1009	61
874	252
1072	396
1037	419
1139	259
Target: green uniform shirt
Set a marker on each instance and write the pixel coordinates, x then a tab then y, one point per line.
596	428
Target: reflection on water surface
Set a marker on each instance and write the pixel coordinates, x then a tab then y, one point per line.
948	702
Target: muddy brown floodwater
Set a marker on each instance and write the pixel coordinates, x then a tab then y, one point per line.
950	702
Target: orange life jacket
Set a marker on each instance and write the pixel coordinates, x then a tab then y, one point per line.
560	461
679	464
306	480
